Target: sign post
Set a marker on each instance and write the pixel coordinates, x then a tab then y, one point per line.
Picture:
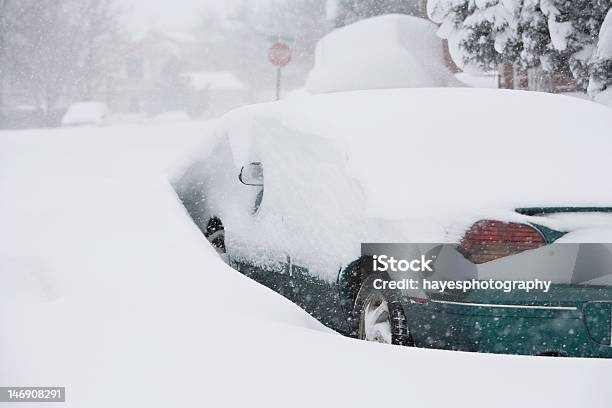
278	82
279	55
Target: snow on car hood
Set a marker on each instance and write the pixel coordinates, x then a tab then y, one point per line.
428	152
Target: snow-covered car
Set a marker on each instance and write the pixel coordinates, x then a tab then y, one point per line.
291	189
395	51
85	113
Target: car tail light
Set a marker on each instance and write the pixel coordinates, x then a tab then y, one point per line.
488	240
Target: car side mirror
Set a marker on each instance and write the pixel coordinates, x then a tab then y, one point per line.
251	174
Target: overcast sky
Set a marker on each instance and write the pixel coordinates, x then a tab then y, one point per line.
174	14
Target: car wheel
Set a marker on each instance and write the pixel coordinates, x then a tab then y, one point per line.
215	234
381	319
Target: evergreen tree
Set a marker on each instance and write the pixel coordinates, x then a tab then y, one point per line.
574	27
535	43
538	48
493	31
485	31
64	48
601	64
558	36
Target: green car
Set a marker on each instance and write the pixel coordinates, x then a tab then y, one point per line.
291	193
570	314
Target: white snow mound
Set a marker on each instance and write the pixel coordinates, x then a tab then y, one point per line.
390	51
110	290
85	113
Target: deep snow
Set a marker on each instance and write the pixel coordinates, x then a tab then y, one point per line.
110	290
389	51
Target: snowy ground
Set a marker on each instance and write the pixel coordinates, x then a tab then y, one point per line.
107	288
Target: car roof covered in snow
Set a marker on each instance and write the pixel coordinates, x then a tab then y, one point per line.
426	151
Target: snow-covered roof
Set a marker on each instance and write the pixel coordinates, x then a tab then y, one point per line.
219	80
390	51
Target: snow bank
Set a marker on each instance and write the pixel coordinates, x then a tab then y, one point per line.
85	113
391	51
605	98
219	80
110	290
172	116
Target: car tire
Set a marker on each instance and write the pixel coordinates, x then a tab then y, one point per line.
215	234
380	317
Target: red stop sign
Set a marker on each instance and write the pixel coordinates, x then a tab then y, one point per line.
279	54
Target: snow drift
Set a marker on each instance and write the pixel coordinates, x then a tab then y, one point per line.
110	290
391	51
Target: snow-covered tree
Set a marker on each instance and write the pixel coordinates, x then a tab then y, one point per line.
101	33
484	31
558	36
534	38
573	27
537	50
601	64
62	49
14	18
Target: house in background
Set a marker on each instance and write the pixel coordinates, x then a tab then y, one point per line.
162	74
216	92
150	79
